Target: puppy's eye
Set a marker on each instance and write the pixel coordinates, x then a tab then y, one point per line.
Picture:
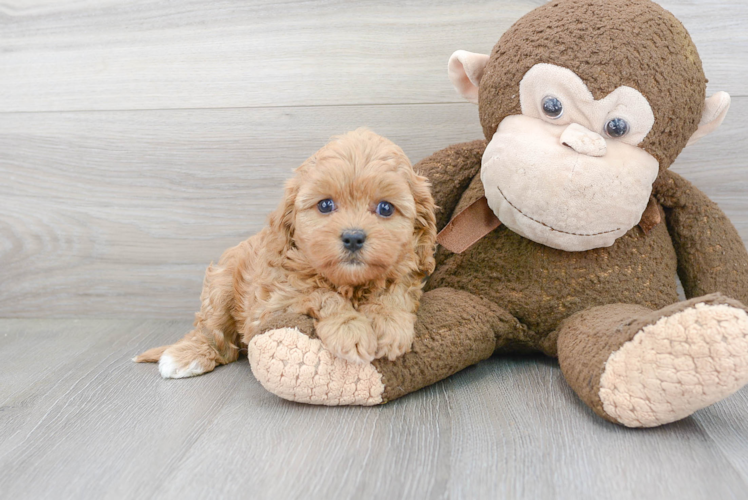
617	127
552	107
385	209
326	206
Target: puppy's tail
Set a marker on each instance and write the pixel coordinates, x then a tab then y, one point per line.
151	355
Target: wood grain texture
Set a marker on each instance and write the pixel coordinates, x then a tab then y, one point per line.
79	420
119	54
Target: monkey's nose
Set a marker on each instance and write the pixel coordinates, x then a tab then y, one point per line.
583	140
353	239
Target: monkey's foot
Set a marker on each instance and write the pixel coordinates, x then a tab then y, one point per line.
295	367
677	365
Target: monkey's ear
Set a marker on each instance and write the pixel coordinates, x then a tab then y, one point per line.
715	109
465	71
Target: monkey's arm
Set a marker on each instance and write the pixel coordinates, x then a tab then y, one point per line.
450	172
711	254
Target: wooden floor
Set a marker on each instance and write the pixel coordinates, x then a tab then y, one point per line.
78	420
140	138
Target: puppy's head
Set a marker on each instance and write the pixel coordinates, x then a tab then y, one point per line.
358	212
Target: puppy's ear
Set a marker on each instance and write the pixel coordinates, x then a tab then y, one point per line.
282	220
424	233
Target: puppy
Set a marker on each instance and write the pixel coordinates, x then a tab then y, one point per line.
350	246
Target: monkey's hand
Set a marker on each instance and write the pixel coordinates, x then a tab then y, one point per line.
711	254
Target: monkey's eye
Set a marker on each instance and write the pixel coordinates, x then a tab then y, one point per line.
326	206
385	209
552	107
617	127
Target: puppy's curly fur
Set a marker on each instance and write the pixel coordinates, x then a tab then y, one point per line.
363	301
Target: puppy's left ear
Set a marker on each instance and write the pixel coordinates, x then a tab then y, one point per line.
424	233
282	219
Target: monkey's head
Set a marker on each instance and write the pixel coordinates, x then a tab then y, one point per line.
583	103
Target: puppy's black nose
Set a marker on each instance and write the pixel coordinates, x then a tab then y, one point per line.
353	239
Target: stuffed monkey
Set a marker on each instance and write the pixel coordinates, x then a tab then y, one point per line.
563	231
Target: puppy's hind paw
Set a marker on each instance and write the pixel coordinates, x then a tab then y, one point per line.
170	367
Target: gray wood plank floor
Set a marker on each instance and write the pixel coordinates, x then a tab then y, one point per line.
78	419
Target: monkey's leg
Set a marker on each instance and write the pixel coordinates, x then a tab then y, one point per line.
711	254
454	330
643	368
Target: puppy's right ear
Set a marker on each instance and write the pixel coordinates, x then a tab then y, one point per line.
282	220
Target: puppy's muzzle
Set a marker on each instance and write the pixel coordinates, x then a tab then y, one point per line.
353	239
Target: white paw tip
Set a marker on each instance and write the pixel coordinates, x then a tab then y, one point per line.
168	368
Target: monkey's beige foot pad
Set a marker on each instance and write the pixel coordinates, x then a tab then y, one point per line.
291	365
680	364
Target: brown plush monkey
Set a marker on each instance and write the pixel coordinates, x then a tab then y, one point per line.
578	229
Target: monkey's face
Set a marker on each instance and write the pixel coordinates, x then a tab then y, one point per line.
575	145
567	172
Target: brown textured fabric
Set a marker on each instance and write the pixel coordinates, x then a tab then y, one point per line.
454	330
652	216
587	339
711	253
607	44
542	286
468	226
585	342
473	193
450	171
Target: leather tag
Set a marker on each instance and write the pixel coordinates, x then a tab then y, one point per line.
467	227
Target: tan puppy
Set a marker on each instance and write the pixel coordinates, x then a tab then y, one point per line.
349	246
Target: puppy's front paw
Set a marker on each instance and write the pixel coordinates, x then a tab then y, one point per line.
176	364
350	338
395	334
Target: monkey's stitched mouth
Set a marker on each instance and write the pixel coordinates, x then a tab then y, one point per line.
550	227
